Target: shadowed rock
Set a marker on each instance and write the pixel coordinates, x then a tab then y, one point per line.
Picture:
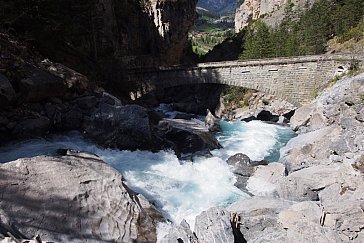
185	136
243	168
7	93
212	122
74	198
123	127
267	116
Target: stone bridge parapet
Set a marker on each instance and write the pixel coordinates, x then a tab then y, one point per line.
294	79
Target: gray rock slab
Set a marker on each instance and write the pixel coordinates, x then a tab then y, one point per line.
74	198
214	226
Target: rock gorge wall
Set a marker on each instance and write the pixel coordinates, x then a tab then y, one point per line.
172	19
99	37
271	12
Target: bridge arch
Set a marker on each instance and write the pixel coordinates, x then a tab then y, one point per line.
294	79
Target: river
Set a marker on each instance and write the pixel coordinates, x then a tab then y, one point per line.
180	189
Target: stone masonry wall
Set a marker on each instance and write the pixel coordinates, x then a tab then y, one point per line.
295	79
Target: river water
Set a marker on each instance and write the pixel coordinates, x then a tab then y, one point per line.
180	189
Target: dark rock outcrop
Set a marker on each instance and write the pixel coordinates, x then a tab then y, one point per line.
124	127
184	136
195	99
267	116
33	127
243	168
98	38
212	122
74	198
7	93
40	84
248	119
241	164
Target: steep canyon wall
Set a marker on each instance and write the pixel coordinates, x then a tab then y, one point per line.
98	37
271	12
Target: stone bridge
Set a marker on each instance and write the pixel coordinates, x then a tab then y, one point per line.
294	79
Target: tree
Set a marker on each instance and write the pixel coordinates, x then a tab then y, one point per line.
258	42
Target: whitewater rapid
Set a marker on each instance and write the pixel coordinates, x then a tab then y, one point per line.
180	189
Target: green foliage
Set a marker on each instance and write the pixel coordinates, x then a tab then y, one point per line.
355	33
209	30
346	15
307	35
236	97
200	52
258	41
205	41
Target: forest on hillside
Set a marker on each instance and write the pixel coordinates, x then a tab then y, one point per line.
307	34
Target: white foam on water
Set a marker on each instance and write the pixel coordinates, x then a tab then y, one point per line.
180	189
255	139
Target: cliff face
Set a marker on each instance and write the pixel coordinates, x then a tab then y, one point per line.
101	36
271	12
172	19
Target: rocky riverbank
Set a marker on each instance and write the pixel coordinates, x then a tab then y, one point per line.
72	198
315	193
40	98
76	197
257	106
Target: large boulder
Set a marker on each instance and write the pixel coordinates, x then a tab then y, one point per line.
32	127
243	168
212	122
123	127
265	179
213	225
303	223
278	220
73	80
195	99
305	184
309	149
185	136
39	84
267	116
7	93
345	217
179	233
73	198
259	218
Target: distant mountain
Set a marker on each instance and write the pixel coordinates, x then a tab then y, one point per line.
218	6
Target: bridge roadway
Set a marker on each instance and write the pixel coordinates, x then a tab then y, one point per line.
294	79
